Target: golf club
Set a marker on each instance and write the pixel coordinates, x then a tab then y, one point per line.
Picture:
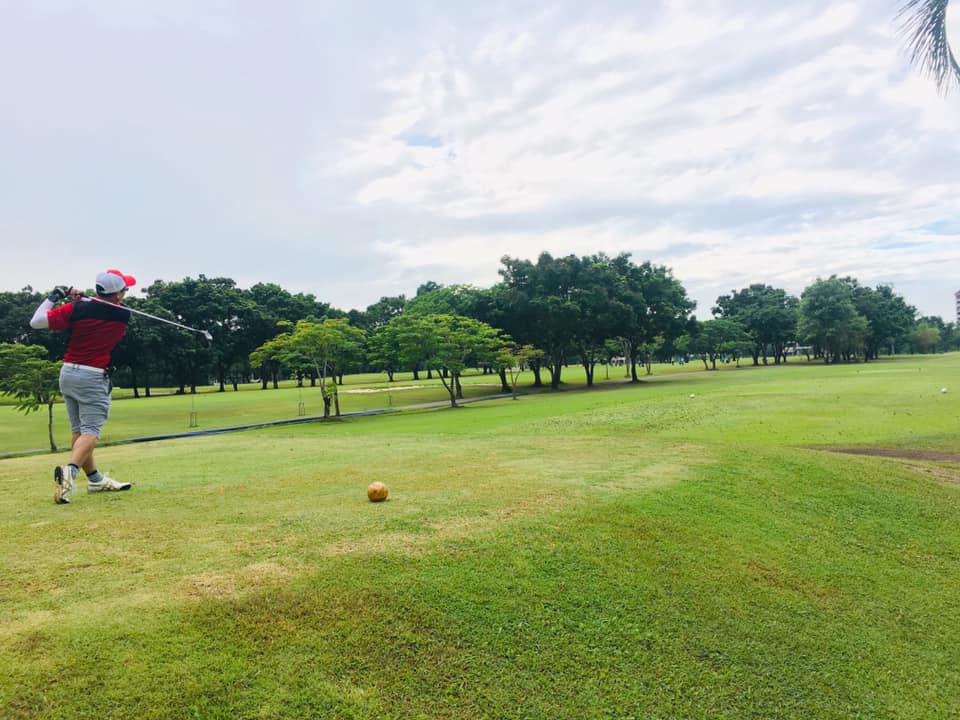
205	333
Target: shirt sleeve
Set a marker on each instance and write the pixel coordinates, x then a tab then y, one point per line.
39	320
59	318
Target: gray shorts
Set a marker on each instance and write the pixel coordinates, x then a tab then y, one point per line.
86	394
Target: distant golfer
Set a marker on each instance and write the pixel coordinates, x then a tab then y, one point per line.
95	329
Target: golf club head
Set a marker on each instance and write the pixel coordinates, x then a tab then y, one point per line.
208	336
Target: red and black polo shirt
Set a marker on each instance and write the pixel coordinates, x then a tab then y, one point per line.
95	329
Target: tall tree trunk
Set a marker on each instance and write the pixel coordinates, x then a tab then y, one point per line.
326	398
504	385
555	375
451	390
53	445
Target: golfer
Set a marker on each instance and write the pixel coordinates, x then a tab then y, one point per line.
95	327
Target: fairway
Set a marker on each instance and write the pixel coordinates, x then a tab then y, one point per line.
681	548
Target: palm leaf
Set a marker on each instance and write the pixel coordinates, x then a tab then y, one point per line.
925	28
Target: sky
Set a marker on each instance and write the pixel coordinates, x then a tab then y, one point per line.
357	150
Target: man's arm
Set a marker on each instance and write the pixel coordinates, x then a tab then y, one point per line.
40	321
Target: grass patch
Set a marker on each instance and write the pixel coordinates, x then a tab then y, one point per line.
628	552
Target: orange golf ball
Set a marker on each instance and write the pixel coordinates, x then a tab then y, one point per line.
377	492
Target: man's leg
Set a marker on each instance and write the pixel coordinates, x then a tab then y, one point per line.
64	476
94	408
82	453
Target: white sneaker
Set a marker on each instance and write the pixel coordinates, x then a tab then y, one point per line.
65	485
108	483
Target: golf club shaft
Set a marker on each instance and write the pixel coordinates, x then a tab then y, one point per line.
153	317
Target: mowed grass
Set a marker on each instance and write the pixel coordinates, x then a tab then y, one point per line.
625	552
166	413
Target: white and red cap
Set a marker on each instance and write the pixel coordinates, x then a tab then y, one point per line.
114	281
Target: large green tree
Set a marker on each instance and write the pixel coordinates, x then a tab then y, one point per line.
574	306
712	339
279	304
829	321
383	350
545	295
449	344
599	293
269	357
145	349
513	311
889	318
925	337
202	303
465	300
769	316
949	337
326	345
229	314
932	334
379	313
658	309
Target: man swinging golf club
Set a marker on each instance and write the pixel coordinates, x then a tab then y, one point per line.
95	329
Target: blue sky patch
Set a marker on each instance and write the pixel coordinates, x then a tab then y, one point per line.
421	140
943	227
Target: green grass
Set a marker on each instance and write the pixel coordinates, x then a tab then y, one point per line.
166	413
625	552
169	413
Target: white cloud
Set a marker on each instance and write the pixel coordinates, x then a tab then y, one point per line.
734	141
806	119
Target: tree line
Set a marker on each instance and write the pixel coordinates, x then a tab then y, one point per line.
544	314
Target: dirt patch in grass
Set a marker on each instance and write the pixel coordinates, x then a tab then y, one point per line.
221	585
445	530
948	469
897	453
943	474
778	580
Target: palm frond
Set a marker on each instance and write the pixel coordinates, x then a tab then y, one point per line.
924	24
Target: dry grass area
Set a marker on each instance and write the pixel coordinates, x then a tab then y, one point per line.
942	466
